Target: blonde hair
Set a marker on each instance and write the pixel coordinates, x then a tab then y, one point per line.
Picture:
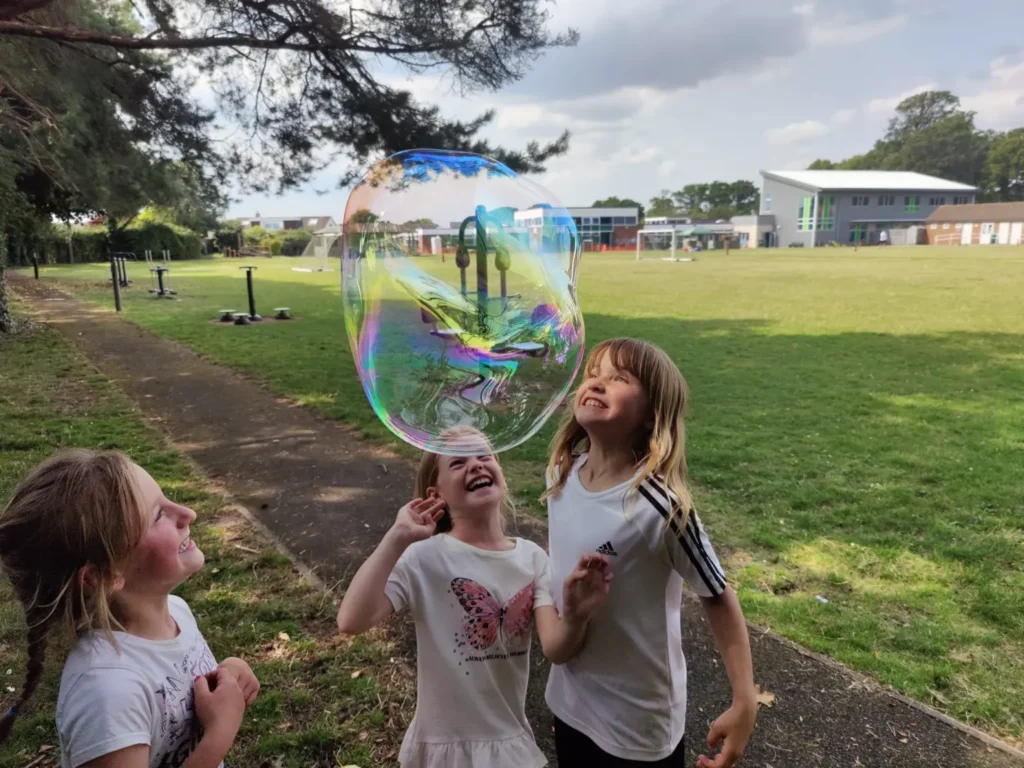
660	445
430	468
78	508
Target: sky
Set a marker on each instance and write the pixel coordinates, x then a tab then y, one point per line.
662	93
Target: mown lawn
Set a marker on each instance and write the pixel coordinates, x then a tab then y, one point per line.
855	433
325	701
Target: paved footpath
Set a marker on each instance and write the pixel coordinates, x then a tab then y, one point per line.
329	496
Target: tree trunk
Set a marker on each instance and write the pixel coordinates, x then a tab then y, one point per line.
6	322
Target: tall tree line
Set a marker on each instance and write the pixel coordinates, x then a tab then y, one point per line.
714	200
932	134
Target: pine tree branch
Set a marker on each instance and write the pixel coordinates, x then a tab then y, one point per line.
381	46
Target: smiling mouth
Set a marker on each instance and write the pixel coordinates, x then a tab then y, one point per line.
186	545
478	483
590	402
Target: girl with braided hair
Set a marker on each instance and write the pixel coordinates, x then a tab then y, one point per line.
92	546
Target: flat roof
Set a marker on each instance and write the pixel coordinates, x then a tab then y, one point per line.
858	180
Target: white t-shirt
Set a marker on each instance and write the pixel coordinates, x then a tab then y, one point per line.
143	695
473	610
626	690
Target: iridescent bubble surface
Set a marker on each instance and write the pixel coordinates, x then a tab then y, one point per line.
459	287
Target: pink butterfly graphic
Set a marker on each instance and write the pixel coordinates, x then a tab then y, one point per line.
485	618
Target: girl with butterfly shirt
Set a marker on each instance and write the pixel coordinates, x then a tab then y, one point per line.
617	483
474	595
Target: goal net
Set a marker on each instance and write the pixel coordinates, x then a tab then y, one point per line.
657	245
324	245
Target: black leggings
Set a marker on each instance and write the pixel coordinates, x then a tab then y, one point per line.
575	750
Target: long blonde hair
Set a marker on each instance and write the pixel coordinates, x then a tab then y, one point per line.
430	468
660	445
78	508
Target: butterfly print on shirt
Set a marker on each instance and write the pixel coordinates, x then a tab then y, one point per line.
486	620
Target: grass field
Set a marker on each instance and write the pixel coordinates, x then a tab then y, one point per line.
856	433
324	699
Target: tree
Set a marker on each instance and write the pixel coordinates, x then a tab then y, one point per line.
414	224
920	112
618	202
662	205
363	216
929	134
1004	167
300	78
821	165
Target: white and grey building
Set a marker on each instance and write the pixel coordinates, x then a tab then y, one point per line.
821	207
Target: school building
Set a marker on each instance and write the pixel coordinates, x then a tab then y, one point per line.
981	224
821	207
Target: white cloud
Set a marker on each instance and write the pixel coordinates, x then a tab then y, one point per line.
843	116
665	168
885	106
806	9
1000	100
842	30
794	132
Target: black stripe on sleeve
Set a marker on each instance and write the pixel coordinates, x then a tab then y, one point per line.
694	531
693	527
710	582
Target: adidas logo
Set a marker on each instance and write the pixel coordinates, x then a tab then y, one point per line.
607	549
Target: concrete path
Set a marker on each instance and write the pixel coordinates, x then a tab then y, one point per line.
329	496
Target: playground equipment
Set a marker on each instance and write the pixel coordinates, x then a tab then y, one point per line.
253	317
158	271
282	313
227	315
121	265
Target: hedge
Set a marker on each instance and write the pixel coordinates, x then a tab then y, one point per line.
89	244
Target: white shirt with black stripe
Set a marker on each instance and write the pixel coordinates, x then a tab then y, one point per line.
626	690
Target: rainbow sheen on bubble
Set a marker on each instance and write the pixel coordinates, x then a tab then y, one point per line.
459	288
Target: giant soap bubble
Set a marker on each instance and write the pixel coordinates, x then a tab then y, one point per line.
460	299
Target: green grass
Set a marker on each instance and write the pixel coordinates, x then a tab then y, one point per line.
855	433
248	600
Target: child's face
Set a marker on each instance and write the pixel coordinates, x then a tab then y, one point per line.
471	483
166	554
610	401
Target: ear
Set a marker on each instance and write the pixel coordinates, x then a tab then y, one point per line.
90	578
434	493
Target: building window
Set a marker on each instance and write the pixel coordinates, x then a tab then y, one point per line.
827	214
934	226
768	203
887	201
946	225
911	203
858	232
961	200
934	201
805	216
959	226
861	200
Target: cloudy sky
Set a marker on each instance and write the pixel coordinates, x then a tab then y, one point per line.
661	93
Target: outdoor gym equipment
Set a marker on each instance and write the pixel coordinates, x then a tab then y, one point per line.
253	317
121	264
227	315
283	313
158	271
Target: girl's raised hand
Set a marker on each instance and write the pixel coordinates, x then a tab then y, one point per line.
417	520
587	587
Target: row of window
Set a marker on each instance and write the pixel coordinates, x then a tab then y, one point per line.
626	221
911	204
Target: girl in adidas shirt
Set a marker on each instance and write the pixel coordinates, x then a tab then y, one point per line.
475	595
617	484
